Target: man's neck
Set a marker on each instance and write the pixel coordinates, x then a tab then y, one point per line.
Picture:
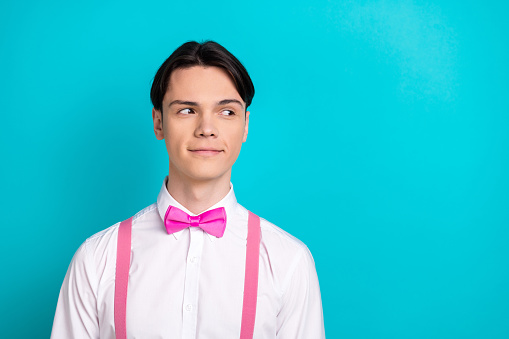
197	196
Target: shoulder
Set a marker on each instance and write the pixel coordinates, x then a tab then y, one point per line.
276	236
293	265
286	255
268	228
292	248
103	244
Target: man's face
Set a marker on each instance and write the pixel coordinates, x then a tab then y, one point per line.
204	124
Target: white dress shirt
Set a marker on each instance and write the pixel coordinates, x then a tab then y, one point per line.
190	284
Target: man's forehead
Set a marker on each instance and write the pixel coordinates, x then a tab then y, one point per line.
200	84
200	73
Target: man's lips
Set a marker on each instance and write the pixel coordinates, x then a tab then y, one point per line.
205	151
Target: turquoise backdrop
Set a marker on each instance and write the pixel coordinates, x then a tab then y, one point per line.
379	136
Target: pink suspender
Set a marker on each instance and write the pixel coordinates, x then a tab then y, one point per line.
122	276
251	277
250	280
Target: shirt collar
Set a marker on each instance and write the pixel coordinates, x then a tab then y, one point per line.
164	199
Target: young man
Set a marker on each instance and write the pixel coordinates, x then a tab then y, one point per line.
187	272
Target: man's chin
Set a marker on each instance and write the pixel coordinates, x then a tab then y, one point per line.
207	177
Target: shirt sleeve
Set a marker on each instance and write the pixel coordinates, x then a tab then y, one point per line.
76	313
301	314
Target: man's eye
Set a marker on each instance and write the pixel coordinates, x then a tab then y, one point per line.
186	111
227	112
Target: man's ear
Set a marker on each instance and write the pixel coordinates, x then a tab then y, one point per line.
158	123
246	127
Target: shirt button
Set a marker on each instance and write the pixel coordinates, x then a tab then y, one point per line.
189	307
194	259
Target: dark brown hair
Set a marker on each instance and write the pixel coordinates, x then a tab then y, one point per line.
208	53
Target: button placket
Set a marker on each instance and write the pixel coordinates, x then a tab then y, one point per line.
191	283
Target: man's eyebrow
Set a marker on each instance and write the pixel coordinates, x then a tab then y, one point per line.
220	103
230	101
183	102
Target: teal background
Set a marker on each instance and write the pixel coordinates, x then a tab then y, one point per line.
378	136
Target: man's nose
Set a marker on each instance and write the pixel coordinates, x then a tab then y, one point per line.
206	126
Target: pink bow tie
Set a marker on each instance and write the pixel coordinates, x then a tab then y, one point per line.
213	222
